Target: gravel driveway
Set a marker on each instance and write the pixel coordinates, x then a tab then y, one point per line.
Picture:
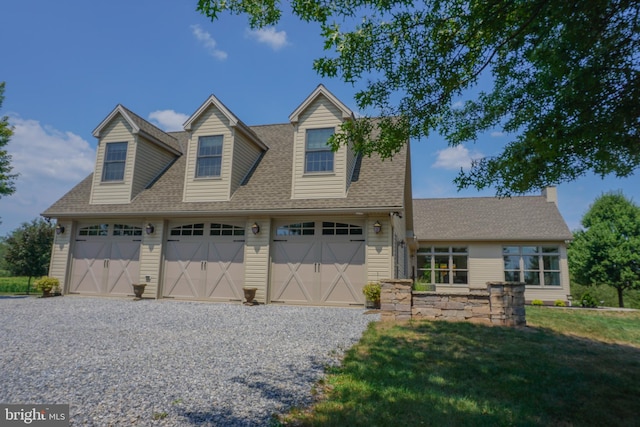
169	363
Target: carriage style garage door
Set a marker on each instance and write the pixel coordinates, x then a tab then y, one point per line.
318	263
105	259
204	261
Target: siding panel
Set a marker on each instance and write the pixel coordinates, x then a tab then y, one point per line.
150	161
245	154
256	257
379	261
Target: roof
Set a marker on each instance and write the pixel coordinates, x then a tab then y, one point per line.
522	218
321	90
377	185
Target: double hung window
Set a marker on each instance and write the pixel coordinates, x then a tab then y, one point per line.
318	153
209	162
115	157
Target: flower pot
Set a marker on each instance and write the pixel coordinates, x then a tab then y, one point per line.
46	292
249	295
372	304
138	290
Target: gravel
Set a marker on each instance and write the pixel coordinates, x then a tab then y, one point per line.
168	363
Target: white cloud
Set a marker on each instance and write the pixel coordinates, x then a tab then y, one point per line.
208	42
275	39
457	157
457	104
50	162
496	134
168	120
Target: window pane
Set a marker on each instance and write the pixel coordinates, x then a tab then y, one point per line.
551	262
550	250
442	276
459	250
512	276
552	279
460	277
208	166
530	250
531	262
459	262
116	152
532	277
512	262
113	171
210	146
114	161
511	250
442	261
319	161
441	249
317	139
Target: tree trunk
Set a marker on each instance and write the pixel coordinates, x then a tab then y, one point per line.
28	284
620	301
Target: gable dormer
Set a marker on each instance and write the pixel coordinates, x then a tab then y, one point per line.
318	172
131	153
222	150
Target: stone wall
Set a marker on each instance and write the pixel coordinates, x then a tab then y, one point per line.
502	303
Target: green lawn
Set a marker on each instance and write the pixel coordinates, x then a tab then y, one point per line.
563	369
15	285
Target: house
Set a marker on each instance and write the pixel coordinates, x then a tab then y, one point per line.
201	213
466	242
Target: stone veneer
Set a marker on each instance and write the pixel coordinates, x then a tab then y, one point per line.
501	303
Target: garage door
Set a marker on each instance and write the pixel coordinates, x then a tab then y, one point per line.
204	261
106	259
318	263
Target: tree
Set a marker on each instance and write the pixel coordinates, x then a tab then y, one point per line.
28	249
566	79
7	179
607	251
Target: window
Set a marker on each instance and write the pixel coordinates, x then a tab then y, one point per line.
298	229
337	228
446	265
126	230
225	230
318	154
94	230
533	265
188	230
209	163
114	160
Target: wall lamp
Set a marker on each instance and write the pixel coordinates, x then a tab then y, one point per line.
59	229
149	228
377	227
255	228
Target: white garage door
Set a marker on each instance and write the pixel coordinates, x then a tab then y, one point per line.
204	261
318	263
106	259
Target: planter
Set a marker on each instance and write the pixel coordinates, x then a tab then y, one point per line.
249	295
372	304
138	290
46	292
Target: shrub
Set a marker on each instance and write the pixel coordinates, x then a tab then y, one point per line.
423	286
588	301
371	291
537	302
559	303
47	282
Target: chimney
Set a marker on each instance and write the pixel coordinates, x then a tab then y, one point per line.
551	193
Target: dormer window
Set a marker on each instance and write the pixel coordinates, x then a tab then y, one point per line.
114	160
318	153
209	163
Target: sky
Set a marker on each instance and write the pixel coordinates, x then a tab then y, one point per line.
68	64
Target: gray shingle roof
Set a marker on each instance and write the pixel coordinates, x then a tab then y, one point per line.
525	218
153	131
380	184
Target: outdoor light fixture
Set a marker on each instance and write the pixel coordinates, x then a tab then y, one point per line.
59	229
149	228
255	228
377	227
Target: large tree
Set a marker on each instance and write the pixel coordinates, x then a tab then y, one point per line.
565	78
28	249
7	179
607	251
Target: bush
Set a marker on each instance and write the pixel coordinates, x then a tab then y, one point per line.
537	302
423	286
559	303
371	291
47	282
588	301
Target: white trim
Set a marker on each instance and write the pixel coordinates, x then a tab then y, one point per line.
118	110
321	90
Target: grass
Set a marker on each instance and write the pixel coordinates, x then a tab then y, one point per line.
563	370
15	284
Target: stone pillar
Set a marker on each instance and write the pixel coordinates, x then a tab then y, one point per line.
506	300
395	299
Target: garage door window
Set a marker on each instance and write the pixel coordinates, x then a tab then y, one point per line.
297	229
94	230
225	230
188	230
126	230
337	228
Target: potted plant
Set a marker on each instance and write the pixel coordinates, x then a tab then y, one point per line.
138	289
371	293
46	284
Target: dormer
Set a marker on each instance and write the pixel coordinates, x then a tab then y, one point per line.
131	153
318	172
222	151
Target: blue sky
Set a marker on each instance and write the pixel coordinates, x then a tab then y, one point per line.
68	64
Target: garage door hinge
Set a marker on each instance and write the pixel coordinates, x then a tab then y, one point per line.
280	240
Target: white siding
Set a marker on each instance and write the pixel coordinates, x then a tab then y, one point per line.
59	264
320	114
485	264
245	154
114	192
379	260
211	122
151	257
150	160
256	257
